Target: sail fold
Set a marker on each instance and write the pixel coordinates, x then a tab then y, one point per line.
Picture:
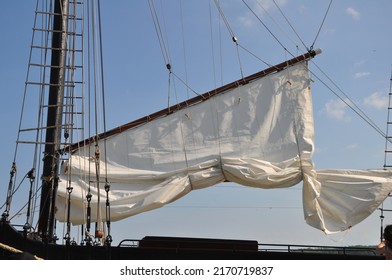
336	200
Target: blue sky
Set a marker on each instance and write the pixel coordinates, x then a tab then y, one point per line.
357	57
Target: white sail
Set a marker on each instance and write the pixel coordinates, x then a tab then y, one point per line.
258	135
336	200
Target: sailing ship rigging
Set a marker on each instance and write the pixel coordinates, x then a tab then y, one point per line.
256	131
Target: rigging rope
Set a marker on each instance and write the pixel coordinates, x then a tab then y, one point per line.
107	186
14	190
322	23
31	176
158	30
347	100
295	32
164	49
266	27
212	44
224	19
184	48
288	22
233	37
10	192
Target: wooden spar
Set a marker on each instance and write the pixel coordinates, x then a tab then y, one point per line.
195	100
54	121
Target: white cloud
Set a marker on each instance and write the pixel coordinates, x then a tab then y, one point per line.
247	20
361	75
352	146
359	63
329	31
336	109
353	13
377	100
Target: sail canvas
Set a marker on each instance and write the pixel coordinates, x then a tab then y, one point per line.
259	135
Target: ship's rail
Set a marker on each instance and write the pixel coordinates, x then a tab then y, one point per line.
260	247
339	250
240	245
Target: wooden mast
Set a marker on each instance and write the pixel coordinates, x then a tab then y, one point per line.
54	121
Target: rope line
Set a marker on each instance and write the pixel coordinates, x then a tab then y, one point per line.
14	250
158	30
321	25
348	101
224	19
233	37
289	23
266	27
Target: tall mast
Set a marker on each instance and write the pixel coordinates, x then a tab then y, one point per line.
54	120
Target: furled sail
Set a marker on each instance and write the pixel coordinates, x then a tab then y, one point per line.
259	134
